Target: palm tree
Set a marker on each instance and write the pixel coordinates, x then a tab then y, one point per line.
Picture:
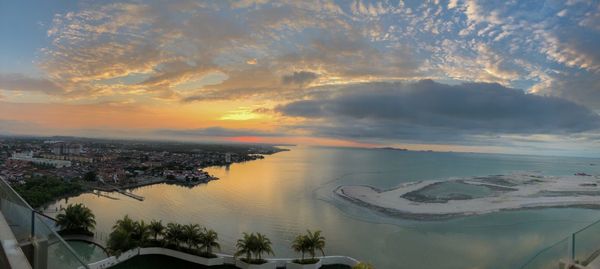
174	233
77	218
246	246
263	245
140	233
126	223
208	240
156	228
191	235
315	241
300	245
120	239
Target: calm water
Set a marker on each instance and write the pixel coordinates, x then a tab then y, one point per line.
289	192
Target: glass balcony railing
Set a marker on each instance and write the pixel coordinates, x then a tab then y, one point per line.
586	244
44	248
581	248
550	257
16	211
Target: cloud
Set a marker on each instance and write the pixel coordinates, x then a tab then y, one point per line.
103	42
574	47
300	78
19	82
214	132
580	87
452	4
429	110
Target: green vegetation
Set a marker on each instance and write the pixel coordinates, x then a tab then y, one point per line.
196	240
209	240
190	238
76	219
254	245
38	191
156	228
310	242
363	266
125	235
90	176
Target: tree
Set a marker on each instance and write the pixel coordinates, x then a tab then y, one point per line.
208	240
126	224
90	176
191	235
300	245
315	241
76	218
246	245
256	244
140	233
263	245
156	228
121	239
174	233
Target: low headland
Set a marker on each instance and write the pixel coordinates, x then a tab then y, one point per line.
43	170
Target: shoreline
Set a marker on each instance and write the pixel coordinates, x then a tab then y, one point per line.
393	202
87	188
439	217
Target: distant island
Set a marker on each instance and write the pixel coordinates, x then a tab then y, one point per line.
391	148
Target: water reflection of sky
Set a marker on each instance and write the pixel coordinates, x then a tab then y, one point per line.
290	192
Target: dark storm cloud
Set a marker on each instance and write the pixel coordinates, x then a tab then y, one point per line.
300	78
426	108
213	132
582	88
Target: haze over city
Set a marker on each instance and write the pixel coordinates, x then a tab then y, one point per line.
484	76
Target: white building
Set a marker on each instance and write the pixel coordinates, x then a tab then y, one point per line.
28	157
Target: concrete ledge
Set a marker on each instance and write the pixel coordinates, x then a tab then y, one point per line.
221	259
182	256
268	265
345	260
292	265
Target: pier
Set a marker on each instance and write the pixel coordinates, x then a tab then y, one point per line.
121	191
126	193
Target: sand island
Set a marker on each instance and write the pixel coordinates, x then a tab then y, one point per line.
442	199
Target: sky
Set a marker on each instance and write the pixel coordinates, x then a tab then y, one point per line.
461	75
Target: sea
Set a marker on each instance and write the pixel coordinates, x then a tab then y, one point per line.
289	192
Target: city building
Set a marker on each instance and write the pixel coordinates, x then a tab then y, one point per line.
28	157
61	148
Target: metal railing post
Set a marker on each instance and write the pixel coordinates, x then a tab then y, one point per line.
32	224
573	247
